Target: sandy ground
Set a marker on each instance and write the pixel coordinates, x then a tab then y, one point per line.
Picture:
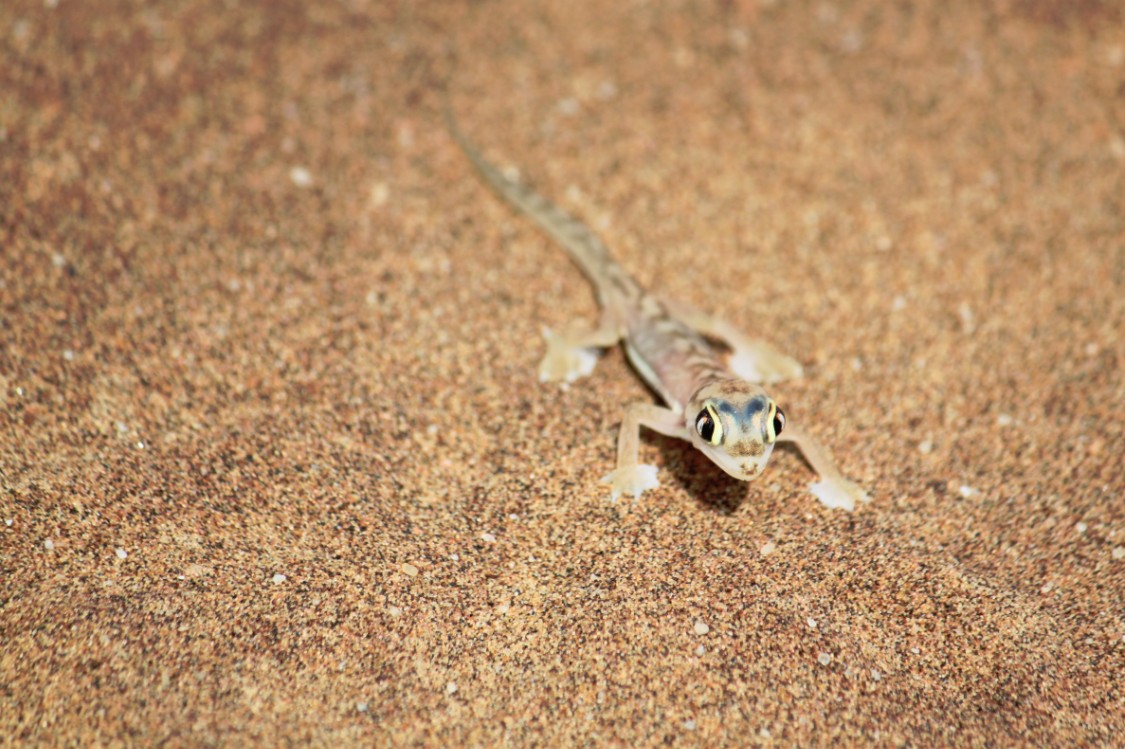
276	467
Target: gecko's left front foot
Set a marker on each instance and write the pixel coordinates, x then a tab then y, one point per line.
634	479
564	361
838	493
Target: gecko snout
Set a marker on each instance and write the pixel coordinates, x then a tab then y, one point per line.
752	470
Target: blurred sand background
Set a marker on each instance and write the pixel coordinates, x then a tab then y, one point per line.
275	467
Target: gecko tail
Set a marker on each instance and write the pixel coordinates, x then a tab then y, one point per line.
583	246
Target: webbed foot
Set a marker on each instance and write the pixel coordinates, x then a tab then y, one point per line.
565	362
838	493
634	479
758	361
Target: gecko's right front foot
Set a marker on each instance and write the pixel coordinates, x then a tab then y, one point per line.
565	362
634	479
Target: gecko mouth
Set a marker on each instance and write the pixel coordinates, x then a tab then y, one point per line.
747	472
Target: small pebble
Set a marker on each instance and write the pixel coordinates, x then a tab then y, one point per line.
926	447
49	545
121	553
689	725
1081	527
966	313
279	578
767	549
361	707
824	659
409	570
196	570
1004	420
701	627
812	623
700	650
487	537
378	194
875	675
967	491
394	611
1118	552
300	176
451	688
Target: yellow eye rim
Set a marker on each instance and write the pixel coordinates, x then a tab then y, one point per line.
772	418
716	436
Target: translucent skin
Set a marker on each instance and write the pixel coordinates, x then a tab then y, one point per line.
713	401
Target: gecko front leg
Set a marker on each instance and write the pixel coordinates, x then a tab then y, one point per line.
630	476
573	353
833	490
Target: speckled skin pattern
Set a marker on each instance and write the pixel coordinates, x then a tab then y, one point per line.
724	412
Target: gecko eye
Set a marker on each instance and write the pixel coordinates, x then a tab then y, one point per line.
708	425
776	422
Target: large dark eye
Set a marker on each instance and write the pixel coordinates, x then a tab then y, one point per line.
778	423
708	425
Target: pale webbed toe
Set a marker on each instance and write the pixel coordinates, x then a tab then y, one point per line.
758	361
565	362
838	493
633	480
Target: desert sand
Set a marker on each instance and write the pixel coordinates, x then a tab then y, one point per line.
276	468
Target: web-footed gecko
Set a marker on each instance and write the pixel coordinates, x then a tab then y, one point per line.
718	406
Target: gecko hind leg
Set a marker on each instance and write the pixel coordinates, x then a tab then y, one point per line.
631	476
752	359
573	353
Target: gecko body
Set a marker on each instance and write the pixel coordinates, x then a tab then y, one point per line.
717	403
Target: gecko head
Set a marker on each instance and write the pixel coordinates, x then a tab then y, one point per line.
736	425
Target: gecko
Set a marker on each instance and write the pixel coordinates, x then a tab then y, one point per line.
715	402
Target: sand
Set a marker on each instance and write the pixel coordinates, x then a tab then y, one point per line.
276	467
